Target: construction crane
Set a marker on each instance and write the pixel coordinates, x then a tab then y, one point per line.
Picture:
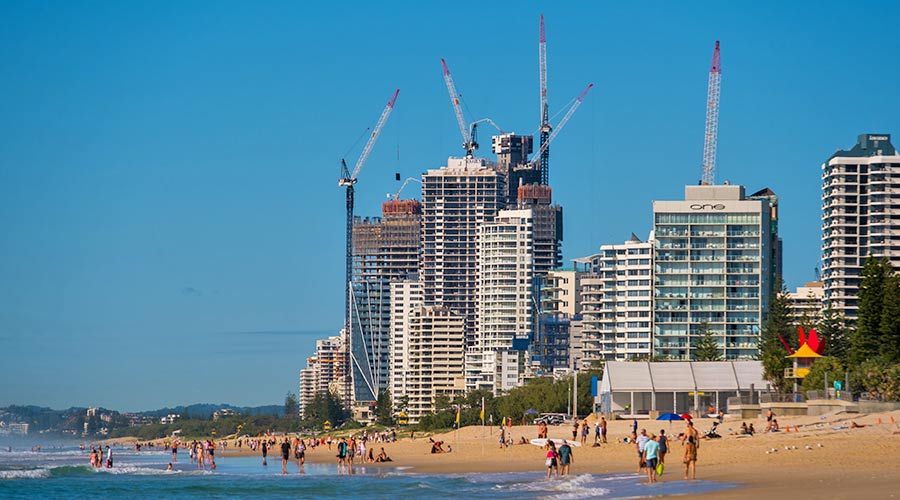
561	124
469	143
396	196
347	181
545	128
710	141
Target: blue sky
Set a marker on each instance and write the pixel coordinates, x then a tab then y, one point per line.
172	230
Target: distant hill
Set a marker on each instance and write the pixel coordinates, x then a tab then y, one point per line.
72	421
205	410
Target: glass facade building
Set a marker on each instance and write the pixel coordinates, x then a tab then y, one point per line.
712	269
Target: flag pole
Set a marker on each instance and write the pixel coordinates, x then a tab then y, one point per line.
458	408
482	425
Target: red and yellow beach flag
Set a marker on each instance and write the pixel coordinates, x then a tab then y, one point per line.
458	408
482	411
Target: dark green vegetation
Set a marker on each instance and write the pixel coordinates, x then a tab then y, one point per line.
707	348
868	350
101	421
225	426
522	404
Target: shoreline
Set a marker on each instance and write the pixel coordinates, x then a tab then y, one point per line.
850	463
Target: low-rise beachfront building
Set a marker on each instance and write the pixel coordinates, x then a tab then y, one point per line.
805	304
635	389
437	339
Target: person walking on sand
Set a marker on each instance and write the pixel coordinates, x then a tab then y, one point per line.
566	458
663	441
574	429
651	457
690	458
603	425
585	431
551	460
597	432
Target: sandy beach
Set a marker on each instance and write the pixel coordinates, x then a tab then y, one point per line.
850	463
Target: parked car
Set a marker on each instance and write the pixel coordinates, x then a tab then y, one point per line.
550	419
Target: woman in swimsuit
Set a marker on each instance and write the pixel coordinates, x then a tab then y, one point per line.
552	460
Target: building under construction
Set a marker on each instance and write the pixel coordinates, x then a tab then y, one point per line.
385	249
548	226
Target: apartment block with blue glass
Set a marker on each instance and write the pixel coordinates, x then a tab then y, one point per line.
712	269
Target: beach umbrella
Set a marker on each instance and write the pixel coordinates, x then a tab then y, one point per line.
686	416
531	411
670	417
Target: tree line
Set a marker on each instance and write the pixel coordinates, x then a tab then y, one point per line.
868	349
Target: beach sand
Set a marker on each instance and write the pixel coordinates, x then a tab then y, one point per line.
851	463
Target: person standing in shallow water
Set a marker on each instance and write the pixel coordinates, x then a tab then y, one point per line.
265	451
285	455
651	457
552	460
566	458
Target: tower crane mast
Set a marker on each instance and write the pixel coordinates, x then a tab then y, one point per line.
710	140
545	128
348	181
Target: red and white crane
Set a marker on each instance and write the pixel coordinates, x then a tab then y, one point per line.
710	140
468	142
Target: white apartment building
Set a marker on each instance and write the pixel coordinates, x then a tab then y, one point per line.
307	391
617	302
860	216
325	370
506	302
456	200
713	267
406	296
436	357
805	304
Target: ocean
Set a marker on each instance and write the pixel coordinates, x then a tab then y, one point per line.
64	473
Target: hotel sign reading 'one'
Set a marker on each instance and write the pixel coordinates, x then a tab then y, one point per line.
707	206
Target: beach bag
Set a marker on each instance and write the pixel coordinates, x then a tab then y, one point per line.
549	462
660	468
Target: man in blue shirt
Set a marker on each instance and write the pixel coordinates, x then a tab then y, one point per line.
651	455
566	458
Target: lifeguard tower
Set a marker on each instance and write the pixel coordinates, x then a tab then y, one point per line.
811	348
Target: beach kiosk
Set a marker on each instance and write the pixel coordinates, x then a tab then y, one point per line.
811	348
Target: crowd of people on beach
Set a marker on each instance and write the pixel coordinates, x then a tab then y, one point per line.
651	448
